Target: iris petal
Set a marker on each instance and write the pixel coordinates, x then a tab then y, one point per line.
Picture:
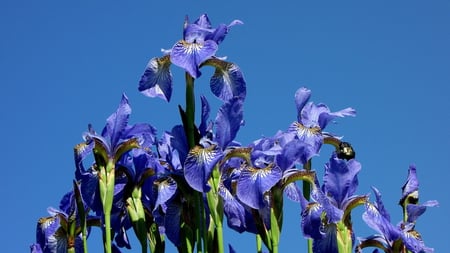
254	182
227	81
199	165
340	179
157	79
189	56
228	121
117	122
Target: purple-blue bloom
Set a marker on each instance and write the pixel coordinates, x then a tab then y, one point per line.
312	120
393	237
332	204
197	48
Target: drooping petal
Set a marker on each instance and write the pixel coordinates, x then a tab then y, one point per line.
254	182
227	81
340	179
312	224
189	56
311	136
228	121
166	188
233	210
414	211
199	165
157	79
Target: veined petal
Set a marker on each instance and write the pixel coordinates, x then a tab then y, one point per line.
189	56
199	165
340	179
254	182
157	79
227	81
312	225
413	242
117	122
228	121
166	188
311	136
379	223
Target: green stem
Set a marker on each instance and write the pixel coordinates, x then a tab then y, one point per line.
258	244
190	110
307	195
200	230
106	184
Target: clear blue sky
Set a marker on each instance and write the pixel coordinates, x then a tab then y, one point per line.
64	64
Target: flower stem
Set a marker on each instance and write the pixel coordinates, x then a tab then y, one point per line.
106	184
307	195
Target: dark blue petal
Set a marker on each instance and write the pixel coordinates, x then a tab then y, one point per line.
189	56
203	128
228	82
340	179
328	242
45	233
117	122
228	121
179	141
254	182
199	165
312	220
157	79
172	222
233	209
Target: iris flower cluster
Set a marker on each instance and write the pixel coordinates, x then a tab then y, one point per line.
181	186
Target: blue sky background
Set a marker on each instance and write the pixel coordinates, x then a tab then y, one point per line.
64	64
